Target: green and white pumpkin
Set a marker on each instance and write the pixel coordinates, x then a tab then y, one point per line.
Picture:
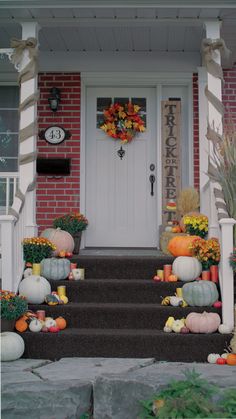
53	268
186	268
200	293
34	288
12	346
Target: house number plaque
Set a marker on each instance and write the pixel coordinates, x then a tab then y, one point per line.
54	134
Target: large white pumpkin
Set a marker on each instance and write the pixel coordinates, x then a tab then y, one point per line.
62	240
12	346
186	268
35	288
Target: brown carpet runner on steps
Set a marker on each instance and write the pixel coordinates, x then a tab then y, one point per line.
116	312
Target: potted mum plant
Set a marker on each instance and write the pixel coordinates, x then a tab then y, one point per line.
74	223
12	307
36	249
208	253
196	225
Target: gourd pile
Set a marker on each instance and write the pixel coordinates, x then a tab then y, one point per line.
30	321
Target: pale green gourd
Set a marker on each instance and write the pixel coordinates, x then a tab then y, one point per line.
200	293
53	268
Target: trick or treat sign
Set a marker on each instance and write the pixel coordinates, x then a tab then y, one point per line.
171	158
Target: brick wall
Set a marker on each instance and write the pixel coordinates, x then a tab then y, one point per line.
229	101
229	94
56	196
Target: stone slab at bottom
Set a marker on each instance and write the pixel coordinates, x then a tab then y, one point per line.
44	400
119	396
23	365
89	369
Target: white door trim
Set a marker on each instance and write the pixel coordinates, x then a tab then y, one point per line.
156	80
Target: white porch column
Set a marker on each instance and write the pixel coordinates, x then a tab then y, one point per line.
7	251
203	142
214	118
27	171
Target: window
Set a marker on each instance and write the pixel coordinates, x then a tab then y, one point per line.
9	127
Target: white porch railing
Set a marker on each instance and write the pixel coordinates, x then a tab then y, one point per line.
8	185
12	233
226	274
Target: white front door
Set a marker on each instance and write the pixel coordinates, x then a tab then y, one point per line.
120	208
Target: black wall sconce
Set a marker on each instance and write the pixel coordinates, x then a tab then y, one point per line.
54	98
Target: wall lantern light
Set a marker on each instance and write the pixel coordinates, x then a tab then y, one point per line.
54	98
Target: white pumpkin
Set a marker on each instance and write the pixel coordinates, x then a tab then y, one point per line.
175	301
35	288
27	272
35	325
186	268
224	329
49	322
212	358
12	346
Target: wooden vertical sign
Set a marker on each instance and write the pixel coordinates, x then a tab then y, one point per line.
171	156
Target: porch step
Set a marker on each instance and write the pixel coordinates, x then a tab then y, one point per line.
119	267
118	316
124	343
117	290
116	312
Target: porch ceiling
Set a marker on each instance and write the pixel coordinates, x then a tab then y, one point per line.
125	29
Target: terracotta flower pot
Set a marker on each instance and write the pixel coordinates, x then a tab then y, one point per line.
214	273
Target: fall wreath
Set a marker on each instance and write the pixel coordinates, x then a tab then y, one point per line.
122	122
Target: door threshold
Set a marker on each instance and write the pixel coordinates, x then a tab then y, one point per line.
120	251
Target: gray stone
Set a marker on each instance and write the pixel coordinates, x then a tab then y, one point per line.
89	368
23	365
119	396
18	377
46	400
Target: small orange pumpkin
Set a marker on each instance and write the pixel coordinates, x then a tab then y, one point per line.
21	324
179	245
172	278
176	229
231	359
61	323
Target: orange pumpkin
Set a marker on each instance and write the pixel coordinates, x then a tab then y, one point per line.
21	324
231	359
172	278
61	323
176	229
179	245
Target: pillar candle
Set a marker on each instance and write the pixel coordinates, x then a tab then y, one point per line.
167	271
61	290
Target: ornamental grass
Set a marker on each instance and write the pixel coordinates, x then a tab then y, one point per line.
206	251
232	259
222	168
36	249
196	225
12	305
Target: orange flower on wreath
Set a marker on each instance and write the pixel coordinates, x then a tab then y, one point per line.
122	122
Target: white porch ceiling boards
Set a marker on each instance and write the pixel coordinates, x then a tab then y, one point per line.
128	26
